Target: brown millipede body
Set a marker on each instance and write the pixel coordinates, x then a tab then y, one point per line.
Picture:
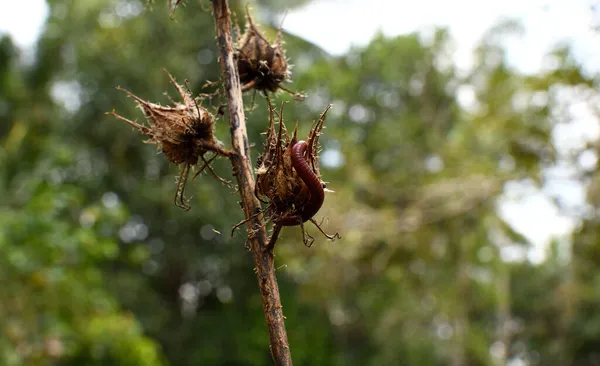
317	194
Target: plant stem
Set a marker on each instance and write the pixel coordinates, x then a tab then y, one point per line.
242	166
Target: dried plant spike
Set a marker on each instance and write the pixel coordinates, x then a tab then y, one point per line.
288	176
173	4
313	138
143	129
330	237
186	95
184	132
262	66
179	199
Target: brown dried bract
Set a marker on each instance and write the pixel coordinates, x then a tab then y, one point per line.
184	133
278	181
262	66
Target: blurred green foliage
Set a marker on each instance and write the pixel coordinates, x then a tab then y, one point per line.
98	267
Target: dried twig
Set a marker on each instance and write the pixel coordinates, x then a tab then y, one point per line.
257	235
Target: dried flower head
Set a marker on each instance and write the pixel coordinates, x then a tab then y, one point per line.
183	132
288	175
261	65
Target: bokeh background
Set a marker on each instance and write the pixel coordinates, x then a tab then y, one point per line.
462	148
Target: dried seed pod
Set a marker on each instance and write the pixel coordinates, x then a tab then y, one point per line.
261	65
288	174
184	133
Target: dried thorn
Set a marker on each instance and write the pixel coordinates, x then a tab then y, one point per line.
206	163
166	94
186	82
237	226
210	146
248	85
298	97
135	125
279	32
315	132
253	231
138	99
225	182
330	237
209	83
180	191
177	2
306	237
320	223
186	97
273	239
210	96
257	195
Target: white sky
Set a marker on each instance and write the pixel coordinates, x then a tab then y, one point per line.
22	19
335	25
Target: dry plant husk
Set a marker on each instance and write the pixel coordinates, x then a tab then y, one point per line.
183	132
277	180
262	66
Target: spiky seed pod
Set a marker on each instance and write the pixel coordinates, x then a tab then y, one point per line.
262	65
183	132
280	179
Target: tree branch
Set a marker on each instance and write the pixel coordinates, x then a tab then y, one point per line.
242	166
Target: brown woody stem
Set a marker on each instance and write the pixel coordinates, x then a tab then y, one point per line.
242	166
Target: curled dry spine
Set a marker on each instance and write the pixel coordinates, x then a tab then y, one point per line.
288	176
184	133
262	66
